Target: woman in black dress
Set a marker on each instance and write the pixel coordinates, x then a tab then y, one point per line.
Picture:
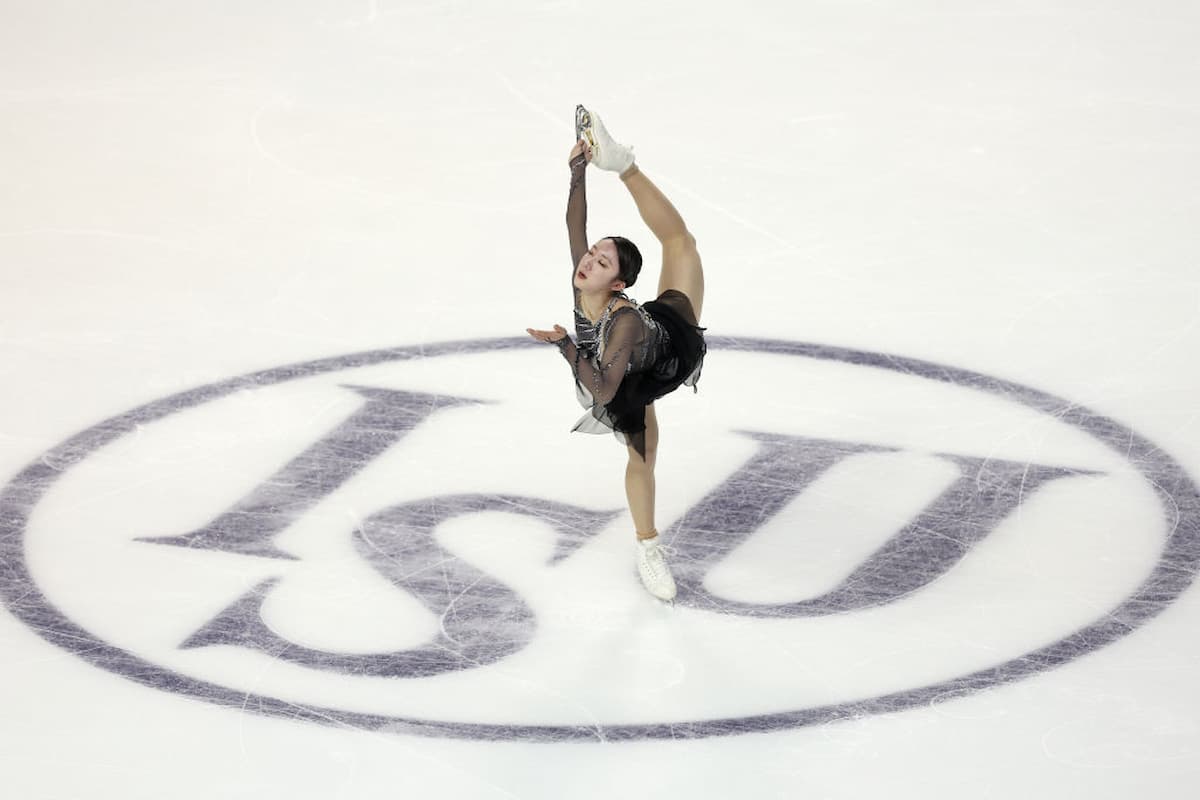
627	355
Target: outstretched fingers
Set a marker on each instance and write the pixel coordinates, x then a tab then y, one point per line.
548	336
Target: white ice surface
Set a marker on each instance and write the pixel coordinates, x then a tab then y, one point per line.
191	192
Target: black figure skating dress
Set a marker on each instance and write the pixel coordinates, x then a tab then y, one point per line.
632	355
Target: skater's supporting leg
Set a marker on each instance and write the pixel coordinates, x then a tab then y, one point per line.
681	268
639	480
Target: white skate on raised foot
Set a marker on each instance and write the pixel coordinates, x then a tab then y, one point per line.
652	568
606	153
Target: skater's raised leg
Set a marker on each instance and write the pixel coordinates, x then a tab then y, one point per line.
681	268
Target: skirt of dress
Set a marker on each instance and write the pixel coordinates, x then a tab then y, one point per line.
678	365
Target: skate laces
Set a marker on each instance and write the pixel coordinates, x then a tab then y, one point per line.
654	557
607	153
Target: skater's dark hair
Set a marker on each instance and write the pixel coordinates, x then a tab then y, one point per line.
629	260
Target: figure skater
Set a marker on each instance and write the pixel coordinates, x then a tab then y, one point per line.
628	355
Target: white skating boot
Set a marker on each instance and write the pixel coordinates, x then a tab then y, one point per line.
606	153
652	567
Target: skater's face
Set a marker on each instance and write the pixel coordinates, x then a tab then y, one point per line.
598	270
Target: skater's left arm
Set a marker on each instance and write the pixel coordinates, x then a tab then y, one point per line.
600	380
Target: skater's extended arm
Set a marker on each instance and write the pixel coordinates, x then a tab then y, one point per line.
577	206
626	332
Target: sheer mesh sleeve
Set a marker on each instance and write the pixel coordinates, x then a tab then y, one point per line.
577	212
623	338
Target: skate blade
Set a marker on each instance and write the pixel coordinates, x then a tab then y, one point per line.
583	126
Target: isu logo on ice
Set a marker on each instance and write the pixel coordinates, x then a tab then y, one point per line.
397	539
